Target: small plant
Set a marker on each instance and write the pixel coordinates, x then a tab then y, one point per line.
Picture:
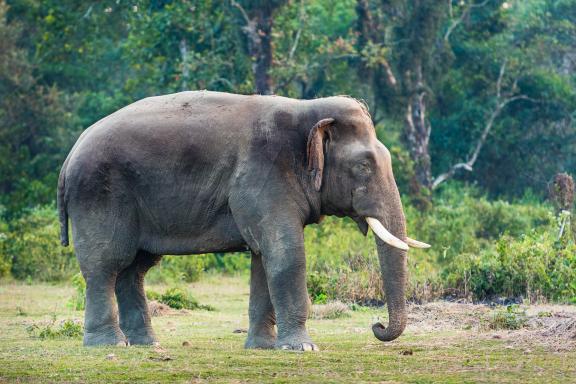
359	308
65	329
513	317
153	295
78	302
320	298
178	299
317	287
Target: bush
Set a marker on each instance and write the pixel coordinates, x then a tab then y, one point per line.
479	248
179	269
34	249
178	299
462	221
174	269
535	266
5	258
78	301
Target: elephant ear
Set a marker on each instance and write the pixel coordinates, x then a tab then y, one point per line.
315	150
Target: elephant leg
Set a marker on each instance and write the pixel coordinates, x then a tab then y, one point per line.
286	273
261	333
101	315
135	319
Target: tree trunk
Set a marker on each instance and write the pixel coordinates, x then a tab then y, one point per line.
259	19
417	135
261	51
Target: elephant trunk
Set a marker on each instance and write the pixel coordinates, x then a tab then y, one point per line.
393	263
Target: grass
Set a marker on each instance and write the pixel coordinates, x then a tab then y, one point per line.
215	354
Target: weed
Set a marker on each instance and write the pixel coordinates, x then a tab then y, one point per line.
65	329
513	317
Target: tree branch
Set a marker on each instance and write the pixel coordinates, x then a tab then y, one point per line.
242	11
298	33
463	15
500	105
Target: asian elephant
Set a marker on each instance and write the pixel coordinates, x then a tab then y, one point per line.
198	172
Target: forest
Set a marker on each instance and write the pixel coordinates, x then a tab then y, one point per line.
476	101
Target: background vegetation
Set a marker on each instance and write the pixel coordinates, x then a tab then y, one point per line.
476	100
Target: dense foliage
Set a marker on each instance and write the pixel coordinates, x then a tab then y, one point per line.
480	91
482	250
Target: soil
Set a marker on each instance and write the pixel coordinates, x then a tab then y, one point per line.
552	327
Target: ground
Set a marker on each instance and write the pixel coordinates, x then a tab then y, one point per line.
445	342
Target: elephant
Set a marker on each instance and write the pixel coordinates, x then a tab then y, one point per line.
198	172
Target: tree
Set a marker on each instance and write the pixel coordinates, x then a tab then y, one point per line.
258	16
408	32
33	122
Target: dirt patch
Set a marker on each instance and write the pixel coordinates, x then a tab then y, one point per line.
159	309
443	316
552	327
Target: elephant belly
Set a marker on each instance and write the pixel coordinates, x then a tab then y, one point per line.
217	235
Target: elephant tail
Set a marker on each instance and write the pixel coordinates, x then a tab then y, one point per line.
61	204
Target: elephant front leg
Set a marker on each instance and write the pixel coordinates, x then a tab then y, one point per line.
286	273
261	333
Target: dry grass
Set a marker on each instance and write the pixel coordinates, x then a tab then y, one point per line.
331	310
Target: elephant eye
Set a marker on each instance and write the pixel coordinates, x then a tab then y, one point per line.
362	167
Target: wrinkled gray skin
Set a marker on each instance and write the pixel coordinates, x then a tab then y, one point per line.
198	172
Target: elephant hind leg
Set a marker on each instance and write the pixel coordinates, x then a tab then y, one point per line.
101	315
261	333
135	319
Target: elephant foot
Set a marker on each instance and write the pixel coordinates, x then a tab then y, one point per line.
260	342
297	343
302	347
136	338
108	337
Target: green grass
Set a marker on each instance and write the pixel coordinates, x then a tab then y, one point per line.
349	351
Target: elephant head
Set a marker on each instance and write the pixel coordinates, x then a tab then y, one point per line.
352	171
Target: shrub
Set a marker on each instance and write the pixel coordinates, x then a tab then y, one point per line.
470	236
179	269
34	248
535	266
178	299
174	269
5	259
78	301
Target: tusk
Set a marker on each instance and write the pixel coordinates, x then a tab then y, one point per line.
416	244
384	235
